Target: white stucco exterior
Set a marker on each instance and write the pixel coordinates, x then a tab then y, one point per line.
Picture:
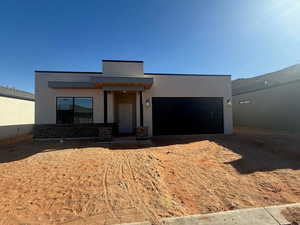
163	86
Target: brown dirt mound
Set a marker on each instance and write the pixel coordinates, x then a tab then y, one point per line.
78	183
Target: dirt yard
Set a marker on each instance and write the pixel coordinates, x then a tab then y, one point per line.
85	183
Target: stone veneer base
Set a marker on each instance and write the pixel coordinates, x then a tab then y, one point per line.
102	132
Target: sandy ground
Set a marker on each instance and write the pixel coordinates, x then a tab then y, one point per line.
88	183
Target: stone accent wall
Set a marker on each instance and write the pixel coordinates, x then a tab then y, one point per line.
105	133
142	133
101	131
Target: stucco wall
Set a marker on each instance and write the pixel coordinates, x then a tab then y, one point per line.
190	86
274	108
45	108
163	86
16	117
123	68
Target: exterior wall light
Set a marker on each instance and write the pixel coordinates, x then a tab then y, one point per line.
147	102
228	101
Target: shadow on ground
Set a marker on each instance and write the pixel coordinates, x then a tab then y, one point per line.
29	147
259	152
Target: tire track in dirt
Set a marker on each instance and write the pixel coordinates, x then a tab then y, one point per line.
134	184
154	187
124	181
129	183
105	188
158	185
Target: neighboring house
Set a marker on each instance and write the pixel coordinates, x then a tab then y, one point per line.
269	101
123	96
16	112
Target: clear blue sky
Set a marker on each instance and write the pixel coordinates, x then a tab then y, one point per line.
239	37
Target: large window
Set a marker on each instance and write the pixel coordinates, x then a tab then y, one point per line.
74	110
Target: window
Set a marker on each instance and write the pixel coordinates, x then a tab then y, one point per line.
74	110
245	102
83	110
64	110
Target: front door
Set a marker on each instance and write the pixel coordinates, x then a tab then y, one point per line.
125	118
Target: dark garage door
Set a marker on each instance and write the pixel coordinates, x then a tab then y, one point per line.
187	115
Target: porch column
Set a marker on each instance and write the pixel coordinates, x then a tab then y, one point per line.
141	110
105	107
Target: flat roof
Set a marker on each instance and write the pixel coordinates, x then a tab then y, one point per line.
56	71
15	93
162	74
130	61
265	81
187	74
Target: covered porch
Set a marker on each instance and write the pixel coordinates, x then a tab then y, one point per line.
123	109
122	102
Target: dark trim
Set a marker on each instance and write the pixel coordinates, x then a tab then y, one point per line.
141	110
105	107
162	74
182	74
265	88
72	125
130	61
122	80
17	97
48	71
73	109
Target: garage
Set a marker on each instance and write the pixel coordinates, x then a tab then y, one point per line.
187	115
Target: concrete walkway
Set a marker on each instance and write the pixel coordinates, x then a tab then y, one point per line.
254	216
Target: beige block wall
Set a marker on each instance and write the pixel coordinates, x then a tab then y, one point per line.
16	111
16	117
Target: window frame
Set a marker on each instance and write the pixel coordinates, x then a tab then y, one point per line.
73	108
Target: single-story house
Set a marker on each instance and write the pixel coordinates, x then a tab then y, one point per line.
16	112
269	101
122	96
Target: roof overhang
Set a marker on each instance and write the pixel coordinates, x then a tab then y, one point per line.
102	82
123	88
66	84
107	83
